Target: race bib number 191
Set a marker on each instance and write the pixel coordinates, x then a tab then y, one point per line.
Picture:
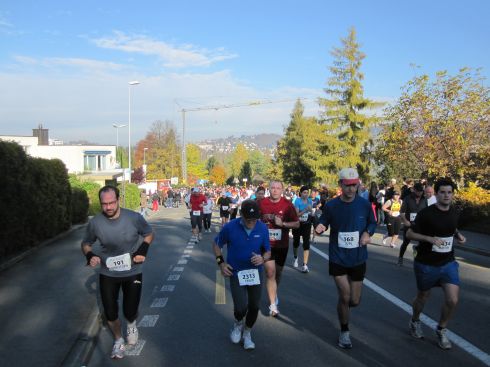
249	277
119	263
348	239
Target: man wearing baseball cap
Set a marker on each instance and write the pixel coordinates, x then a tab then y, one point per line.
248	247
352	223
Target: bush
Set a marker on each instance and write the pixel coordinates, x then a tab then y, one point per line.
79	205
473	202
92	190
130	196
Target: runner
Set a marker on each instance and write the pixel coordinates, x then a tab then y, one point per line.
304	209
429	195
393	222
412	204
247	241
434	266
352	223
224	203
279	215
196	203
207	211
125	237
260	193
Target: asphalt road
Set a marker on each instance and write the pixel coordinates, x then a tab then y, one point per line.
183	322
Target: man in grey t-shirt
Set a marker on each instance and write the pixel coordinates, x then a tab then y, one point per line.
124	238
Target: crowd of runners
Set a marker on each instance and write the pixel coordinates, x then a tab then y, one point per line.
254	227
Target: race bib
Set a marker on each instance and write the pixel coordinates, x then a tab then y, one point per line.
224	208
119	263
233	206
413	216
249	277
196	212
348	240
275	234
447	246
304	217
395	214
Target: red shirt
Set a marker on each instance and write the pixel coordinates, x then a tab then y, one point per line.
196	200
278	236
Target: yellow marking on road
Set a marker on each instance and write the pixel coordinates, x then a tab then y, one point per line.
220	297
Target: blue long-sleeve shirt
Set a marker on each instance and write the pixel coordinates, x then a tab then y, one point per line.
347	221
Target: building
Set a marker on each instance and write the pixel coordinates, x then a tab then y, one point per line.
91	162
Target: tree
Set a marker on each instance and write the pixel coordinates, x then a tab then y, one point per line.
296	151
163	156
238	157
440	128
246	172
196	168
346	129
258	162
217	175
211	163
138	176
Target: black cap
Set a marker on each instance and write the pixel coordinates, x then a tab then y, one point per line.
250	209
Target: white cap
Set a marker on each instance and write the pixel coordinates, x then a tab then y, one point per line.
349	176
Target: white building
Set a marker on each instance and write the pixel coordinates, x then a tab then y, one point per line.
91	162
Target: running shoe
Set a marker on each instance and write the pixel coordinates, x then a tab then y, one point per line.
392	245
273	310
304	269
248	344
415	328
385	241
295	262
118	349
400	261
236	332
443	341
132	335
344	340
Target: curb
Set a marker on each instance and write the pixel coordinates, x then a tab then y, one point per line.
19	257
81	351
474	250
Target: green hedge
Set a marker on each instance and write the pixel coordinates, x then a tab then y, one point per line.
35	197
79	205
92	191
473	204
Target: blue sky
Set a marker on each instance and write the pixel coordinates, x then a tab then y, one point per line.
67	64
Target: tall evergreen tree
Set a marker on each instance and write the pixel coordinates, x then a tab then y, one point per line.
294	150
347	138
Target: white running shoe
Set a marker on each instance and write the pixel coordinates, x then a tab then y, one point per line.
295	262
236	332
248	344
385	241
392	245
304	269
344	340
273	310
443	341
415	328
118	349
132	335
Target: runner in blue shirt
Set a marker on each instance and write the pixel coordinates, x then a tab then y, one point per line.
304	208
248	247
352	223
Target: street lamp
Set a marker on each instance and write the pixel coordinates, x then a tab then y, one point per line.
135	82
144	157
117	137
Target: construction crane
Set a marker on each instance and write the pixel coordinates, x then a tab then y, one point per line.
216	108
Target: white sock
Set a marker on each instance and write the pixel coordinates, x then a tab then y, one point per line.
132	324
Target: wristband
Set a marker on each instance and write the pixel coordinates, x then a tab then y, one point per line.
220	260
88	256
142	250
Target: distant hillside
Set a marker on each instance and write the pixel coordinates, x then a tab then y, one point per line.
263	142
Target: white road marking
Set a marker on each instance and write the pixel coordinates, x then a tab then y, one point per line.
159	302
173	277
178	268
148	321
186	255
191	247
168	288
136	349
456	339
187	251
182	262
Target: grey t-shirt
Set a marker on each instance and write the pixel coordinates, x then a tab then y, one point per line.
117	237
